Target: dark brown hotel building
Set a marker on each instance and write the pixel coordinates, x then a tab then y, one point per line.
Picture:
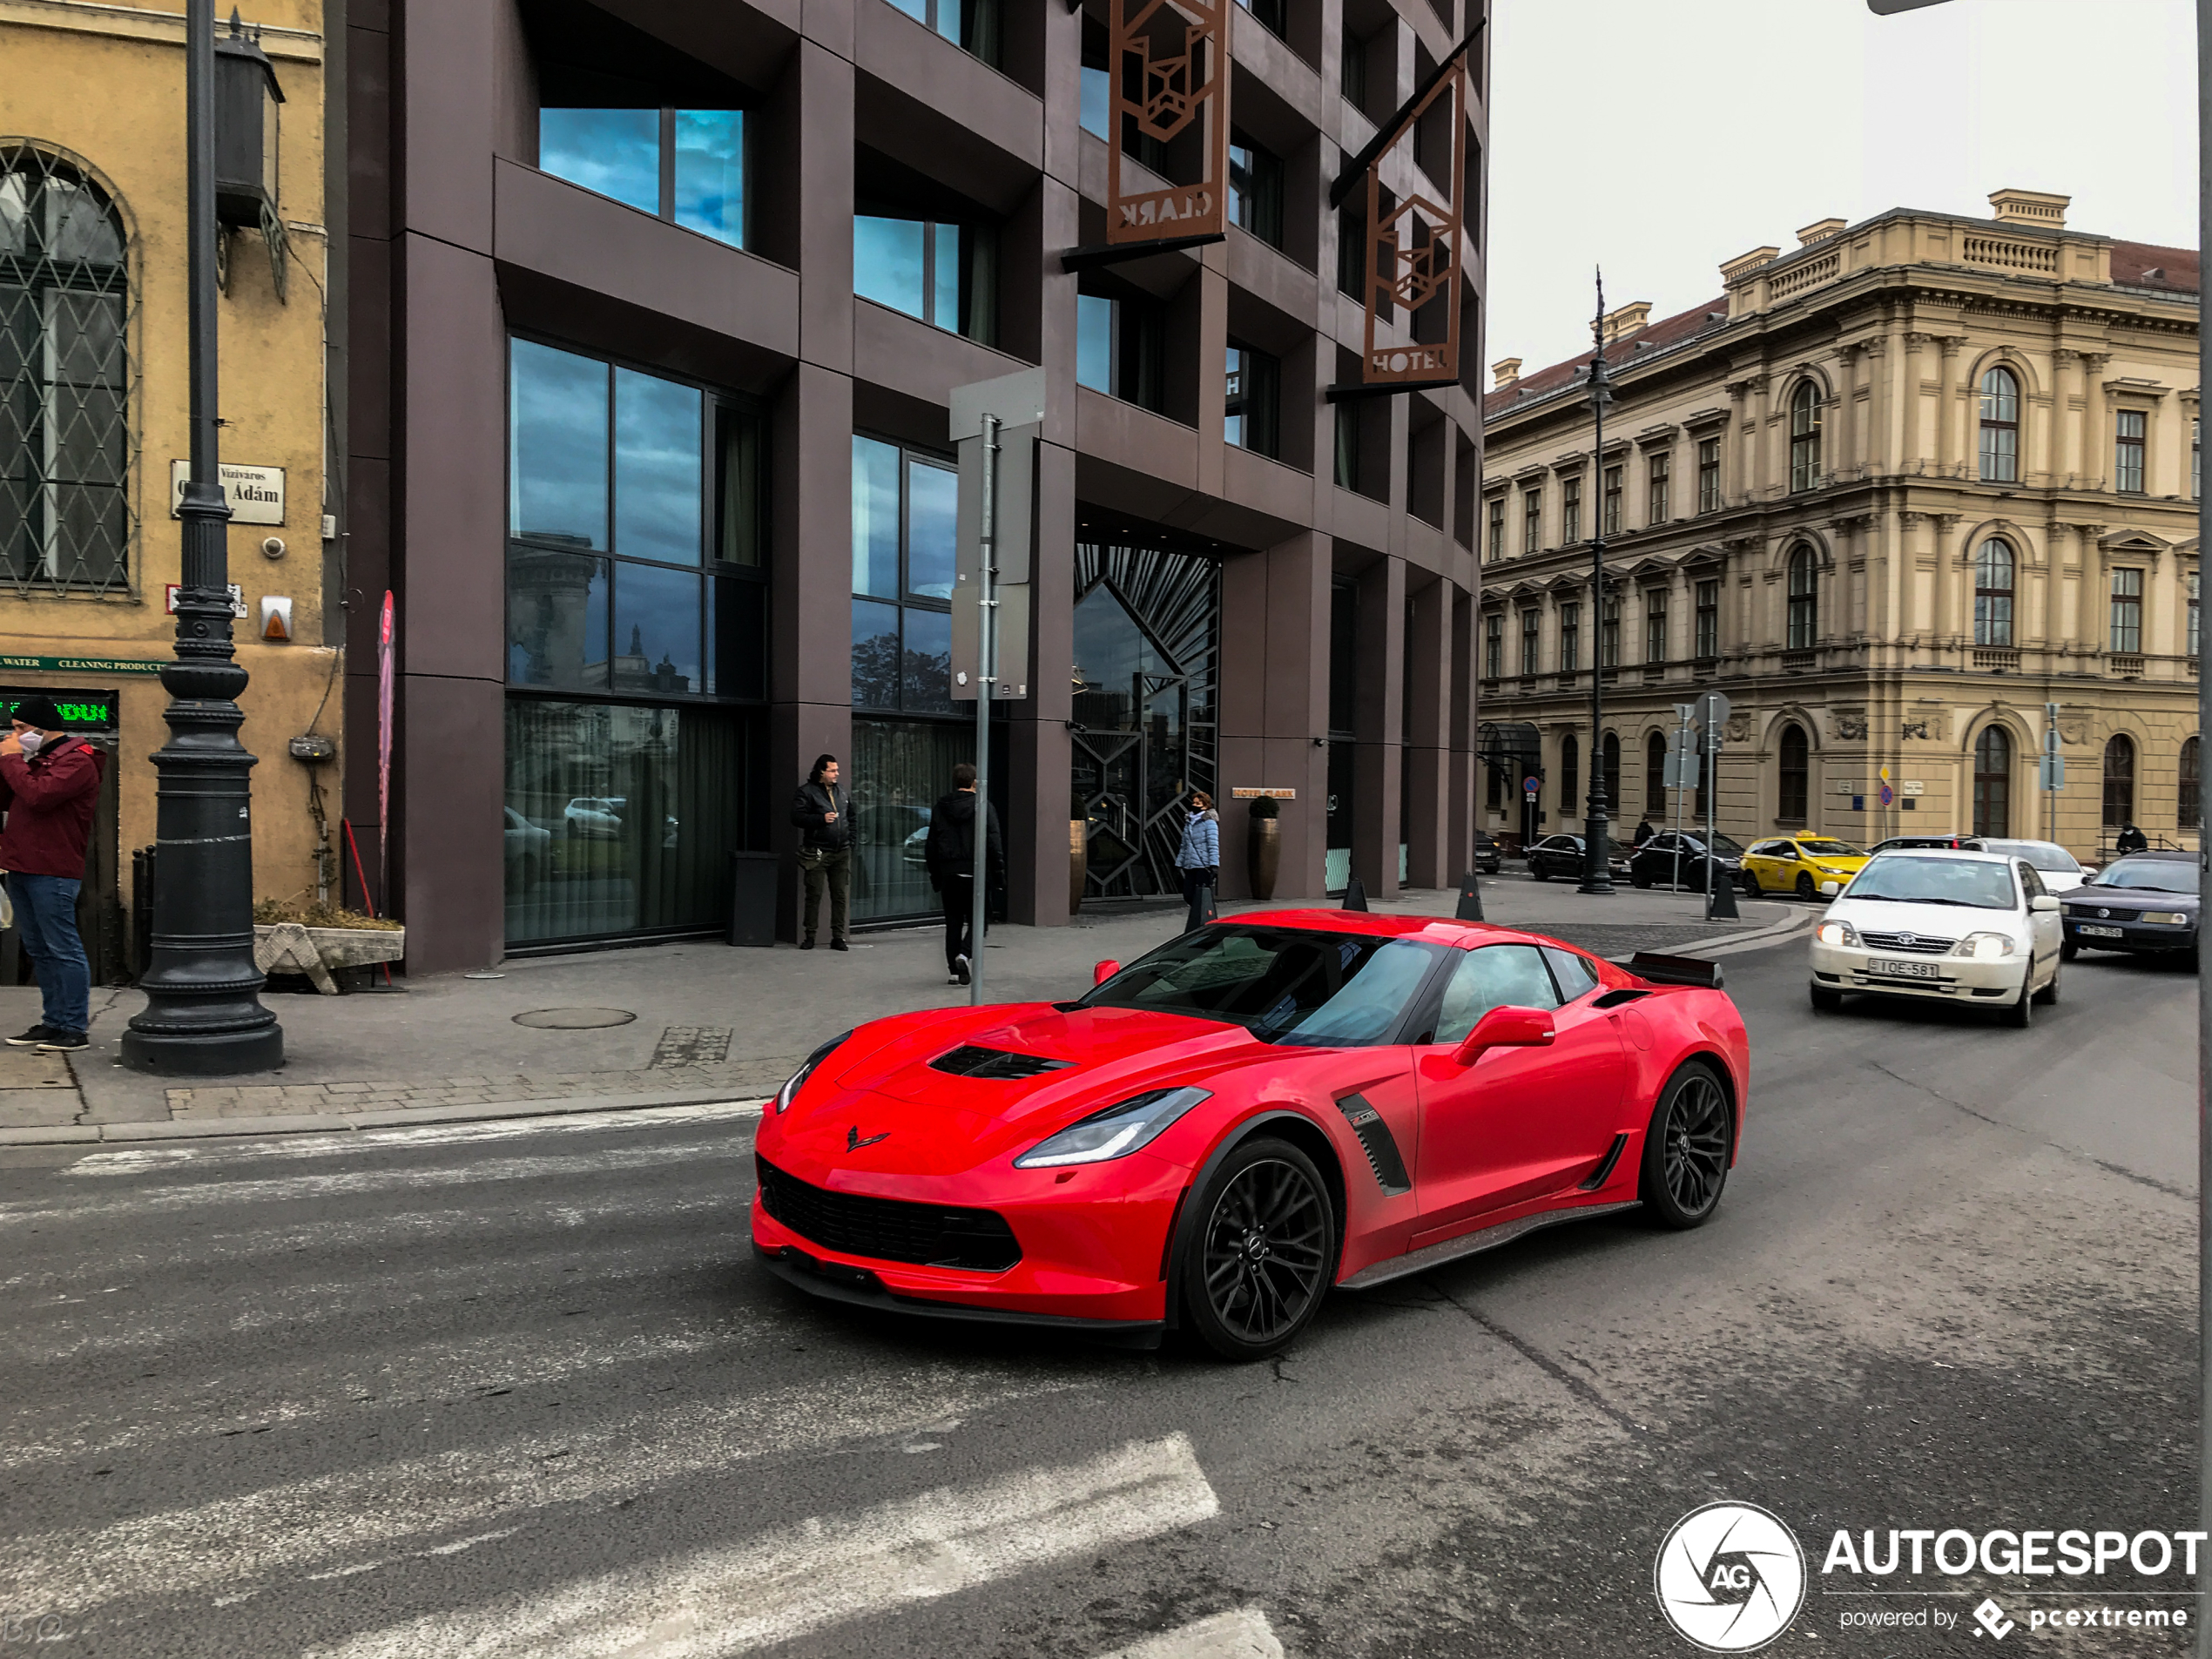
649	318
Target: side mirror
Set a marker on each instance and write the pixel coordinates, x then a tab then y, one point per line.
1507	1028
2043	902
1830	889
1103	972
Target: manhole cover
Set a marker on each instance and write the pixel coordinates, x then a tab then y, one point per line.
574	1019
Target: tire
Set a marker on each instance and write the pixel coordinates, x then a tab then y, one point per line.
2020	1014
1748	885
1538	871
1826	998
2048	996
1637	879
1686	1149
1263	1252
2068	951
1805	889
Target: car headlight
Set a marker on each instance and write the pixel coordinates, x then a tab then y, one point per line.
1114	1133
2172	918
1837	933
1984	947
789	1092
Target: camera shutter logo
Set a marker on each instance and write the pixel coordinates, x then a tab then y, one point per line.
1730	1577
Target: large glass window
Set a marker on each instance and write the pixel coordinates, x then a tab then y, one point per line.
1662	487
1804	600
1493	646
2119	781
66	378
2189	810
2127	611
1993	583
972	25
2128	446
945	274
1531	520
1496	545
1993	782
1709	620
1796	775
1609	500
1253	400
1256	189
1531	632
619	152
1804	437
2001	427
1570	511
1655	626
1709	475
1608	633
1120	348
1570	635
1654	775
904	512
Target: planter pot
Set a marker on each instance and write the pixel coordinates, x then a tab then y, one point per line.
1078	862
1264	855
292	947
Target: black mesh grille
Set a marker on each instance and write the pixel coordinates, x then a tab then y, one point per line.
889	1229
2100	912
996	1063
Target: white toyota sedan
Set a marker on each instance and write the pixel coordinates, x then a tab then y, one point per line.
1930	923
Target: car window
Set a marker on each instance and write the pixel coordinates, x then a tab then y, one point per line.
1903	878
2030	885
1496	977
2170	875
1572	971
1305	987
1828	849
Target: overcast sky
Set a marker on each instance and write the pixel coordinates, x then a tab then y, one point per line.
1663	137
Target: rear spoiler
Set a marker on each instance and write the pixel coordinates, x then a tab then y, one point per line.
1675	970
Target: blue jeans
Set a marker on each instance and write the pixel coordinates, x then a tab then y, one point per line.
46	921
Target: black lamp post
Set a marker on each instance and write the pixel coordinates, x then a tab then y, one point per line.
203	1015
1598	868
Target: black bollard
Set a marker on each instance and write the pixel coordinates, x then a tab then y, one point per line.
1355	896
1470	899
1720	906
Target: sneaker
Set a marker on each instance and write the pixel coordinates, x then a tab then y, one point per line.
63	1042
30	1039
807	943
959	969
839	944
952	978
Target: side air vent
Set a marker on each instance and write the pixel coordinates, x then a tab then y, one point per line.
995	1064
1380	1146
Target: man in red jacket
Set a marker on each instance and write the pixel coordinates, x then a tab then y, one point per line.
49	779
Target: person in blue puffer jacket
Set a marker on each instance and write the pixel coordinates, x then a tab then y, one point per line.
1199	858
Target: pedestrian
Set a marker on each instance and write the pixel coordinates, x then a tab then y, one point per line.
2132	839
49	779
823	816
949	853
1644	831
1199	856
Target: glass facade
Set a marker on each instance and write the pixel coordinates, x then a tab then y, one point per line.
637	603
945	274
618	153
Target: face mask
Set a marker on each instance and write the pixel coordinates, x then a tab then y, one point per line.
31	740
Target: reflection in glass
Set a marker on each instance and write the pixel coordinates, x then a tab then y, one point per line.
932	510
559	447
927	662
1094	343
656	469
615	152
875	517
875	655
1097	101
898	769
736	640
944	302
887	262
557	619
657	631
738	491
709	173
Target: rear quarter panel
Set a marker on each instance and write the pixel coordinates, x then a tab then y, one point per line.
1687	1023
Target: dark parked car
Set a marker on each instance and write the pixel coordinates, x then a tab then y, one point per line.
1920	843
2147	902
1562	856
1489	857
1670	858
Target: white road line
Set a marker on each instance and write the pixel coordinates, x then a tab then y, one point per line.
137	1160
1243	1634
384	1509
828	1569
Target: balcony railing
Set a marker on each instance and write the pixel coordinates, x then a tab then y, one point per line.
1997	660
2124	666
1654	672
1800	662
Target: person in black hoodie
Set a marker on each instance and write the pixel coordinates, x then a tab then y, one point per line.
822	816
949	852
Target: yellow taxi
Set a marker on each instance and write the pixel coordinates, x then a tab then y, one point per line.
1800	864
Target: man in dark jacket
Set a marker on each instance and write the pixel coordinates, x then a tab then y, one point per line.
823	817
49	779
1644	831
950	853
2132	840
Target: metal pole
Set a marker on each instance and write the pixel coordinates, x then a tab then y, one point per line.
1597	871
2203	989
986	687
1710	773
203	1016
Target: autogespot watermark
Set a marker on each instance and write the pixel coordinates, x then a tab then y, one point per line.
1730	1578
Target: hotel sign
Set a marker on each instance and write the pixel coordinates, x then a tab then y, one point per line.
255	494
1169	63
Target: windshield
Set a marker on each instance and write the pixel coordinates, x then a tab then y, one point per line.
1906	879
1727	846
1829	850
2168	875
2042	854
1282	984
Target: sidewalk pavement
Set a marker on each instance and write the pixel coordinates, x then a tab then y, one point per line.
677	1024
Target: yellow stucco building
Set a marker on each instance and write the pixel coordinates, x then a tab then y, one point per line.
93	408
1893	492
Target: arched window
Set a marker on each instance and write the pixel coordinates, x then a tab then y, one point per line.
1570	755
65	379
1993	782
1796	774
1804	437
1612	772
1654	775
2190	810
1804	599
1993	580
2001	427
2119	781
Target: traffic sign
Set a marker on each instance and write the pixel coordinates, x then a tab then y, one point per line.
1531	786
2050	772
1710	709
1888	796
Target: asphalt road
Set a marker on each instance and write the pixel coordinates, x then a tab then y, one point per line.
522	1392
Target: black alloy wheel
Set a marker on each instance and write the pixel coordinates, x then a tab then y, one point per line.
1537	868
1805	889
1748	884
1686	1151
1263	1253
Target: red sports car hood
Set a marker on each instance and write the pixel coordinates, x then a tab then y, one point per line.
939	1121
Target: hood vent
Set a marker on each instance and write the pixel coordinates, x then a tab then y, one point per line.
995	1064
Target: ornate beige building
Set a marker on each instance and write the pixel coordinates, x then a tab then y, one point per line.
1893	493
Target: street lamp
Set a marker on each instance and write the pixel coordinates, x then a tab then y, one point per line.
203	1016
1597	870
1891	8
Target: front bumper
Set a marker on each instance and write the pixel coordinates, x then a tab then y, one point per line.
2132	936
1962	979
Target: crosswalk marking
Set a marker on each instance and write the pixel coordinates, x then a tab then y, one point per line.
830	1569
1243	1634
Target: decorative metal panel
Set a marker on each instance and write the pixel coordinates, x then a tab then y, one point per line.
1415	249
1170	76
